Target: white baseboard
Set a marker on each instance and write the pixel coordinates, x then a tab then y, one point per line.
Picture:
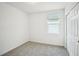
55	43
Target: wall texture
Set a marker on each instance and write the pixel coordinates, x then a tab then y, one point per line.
39	30
13	28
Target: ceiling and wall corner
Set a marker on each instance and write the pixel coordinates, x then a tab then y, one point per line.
32	7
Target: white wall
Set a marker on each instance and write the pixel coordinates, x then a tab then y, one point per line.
39	30
13	28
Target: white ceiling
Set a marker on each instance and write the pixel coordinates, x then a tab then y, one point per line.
31	7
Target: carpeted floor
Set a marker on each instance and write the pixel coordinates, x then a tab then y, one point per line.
37	49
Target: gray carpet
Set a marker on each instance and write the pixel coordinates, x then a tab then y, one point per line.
37	49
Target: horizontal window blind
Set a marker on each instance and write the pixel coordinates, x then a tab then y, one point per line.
54	21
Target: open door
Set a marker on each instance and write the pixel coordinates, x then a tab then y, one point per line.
72	34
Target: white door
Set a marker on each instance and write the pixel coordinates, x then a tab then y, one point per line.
70	36
76	36
73	36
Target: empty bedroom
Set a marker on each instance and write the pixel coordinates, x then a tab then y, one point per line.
39	29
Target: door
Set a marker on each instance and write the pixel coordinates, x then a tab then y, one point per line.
72	34
75	36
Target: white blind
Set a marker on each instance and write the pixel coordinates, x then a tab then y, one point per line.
54	21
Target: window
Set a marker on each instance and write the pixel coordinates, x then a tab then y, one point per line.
53	26
54	21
